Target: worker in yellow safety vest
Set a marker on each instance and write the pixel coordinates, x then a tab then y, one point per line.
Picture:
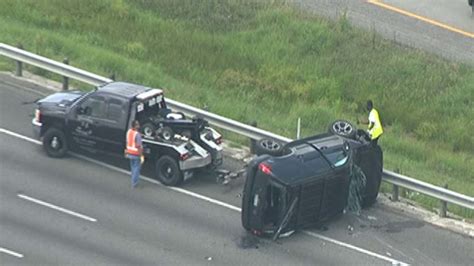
134	151
375	129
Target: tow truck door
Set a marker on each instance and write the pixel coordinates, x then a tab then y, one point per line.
85	122
113	126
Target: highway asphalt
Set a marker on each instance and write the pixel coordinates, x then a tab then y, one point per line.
443	27
77	211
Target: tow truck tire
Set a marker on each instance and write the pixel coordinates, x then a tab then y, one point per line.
167	133
54	143
148	129
168	172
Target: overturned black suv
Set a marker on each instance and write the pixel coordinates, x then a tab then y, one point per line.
308	182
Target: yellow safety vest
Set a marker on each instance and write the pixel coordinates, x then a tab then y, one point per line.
377	129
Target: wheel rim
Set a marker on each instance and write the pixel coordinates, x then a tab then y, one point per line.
167	171
147	131
166	135
55	143
342	128
270	145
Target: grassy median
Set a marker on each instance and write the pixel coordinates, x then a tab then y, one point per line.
264	61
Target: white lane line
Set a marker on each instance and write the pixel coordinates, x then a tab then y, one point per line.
358	249
55	207
11	133
214	201
177	189
10	252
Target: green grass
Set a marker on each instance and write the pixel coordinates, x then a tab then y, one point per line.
263	61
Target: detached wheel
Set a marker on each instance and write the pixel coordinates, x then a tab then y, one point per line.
168	172
54	143
268	146
343	128
148	129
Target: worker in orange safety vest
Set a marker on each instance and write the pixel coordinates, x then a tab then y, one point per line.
134	151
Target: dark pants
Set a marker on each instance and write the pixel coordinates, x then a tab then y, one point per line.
374	141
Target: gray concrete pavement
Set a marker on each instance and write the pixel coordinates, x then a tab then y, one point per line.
404	29
454	13
155	225
148	225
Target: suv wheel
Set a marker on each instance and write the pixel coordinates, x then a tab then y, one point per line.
54	143
168	172
343	128
268	146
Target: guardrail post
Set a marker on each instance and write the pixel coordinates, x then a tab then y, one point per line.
395	193
444	206
253	142
66	79
19	64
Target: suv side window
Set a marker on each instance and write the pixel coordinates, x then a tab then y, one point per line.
116	110
94	106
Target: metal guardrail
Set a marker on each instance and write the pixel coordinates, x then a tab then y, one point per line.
397	180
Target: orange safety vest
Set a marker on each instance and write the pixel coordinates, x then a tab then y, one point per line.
132	148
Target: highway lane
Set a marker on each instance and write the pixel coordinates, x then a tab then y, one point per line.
148	225
90	187
408	30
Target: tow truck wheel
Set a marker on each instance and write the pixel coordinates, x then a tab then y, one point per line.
168	172
167	133
148	129
54	143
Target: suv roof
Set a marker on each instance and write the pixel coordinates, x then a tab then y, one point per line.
124	89
321	141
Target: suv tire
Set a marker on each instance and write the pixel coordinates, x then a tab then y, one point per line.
268	146
343	128
54	143
168	172
373	186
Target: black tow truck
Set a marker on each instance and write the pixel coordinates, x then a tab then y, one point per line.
97	121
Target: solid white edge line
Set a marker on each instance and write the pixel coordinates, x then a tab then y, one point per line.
214	201
52	206
10	252
177	189
361	250
11	133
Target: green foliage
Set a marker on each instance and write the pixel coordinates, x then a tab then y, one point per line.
262	60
